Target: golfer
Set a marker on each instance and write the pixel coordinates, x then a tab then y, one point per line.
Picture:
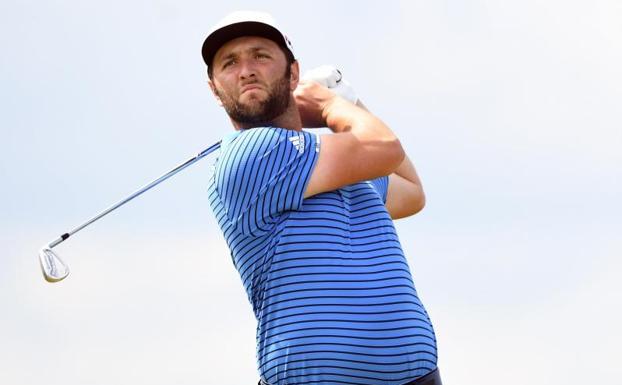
308	219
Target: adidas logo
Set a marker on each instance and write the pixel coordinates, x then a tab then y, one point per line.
299	142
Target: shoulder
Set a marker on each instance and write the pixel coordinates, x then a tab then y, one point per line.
260	142
265	151
262	137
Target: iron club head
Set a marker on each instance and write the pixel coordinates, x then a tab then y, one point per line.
53	268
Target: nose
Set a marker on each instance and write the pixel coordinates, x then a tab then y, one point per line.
247	69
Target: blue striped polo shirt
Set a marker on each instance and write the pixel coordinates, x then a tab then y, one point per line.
329	284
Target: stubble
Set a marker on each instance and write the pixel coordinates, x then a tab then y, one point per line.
258	113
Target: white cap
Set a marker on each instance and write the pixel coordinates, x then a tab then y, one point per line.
243	23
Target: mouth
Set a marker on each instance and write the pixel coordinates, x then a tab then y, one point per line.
250	87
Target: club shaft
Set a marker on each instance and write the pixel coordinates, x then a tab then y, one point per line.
140	191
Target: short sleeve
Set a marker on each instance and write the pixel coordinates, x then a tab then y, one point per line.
263	173
381	185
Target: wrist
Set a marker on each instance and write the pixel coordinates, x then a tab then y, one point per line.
338	113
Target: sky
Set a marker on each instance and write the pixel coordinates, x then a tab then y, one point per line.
510	110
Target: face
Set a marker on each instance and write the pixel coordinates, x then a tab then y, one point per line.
252	81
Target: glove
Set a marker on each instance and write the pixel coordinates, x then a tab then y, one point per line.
331	78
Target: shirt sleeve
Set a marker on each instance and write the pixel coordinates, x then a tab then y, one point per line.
381	185
263	173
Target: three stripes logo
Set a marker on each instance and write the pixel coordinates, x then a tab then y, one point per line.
299	142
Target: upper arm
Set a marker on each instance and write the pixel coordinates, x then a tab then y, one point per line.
404	197
263	174
345	159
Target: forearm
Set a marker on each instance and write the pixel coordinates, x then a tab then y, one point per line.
405	196
361	147
347	128
406	170
344	116
369	133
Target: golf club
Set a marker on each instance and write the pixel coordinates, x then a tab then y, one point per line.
54	269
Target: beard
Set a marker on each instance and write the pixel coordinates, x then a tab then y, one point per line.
257	113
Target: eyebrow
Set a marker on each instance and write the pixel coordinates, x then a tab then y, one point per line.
234	54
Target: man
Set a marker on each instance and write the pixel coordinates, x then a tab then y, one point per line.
308	219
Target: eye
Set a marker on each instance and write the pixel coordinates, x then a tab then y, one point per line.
261	55
228	63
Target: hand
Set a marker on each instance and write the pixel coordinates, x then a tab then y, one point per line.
329	76
313	101
326	75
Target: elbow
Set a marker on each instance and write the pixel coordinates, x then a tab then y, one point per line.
418	202
409	207
377	158
395	155
415	202
412	202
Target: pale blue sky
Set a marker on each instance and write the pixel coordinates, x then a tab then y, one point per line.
509	109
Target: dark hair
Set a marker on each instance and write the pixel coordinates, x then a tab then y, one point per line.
289	57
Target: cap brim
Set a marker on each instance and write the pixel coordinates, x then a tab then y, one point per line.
222	35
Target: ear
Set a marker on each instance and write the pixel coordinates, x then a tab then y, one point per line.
214	89
295	76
